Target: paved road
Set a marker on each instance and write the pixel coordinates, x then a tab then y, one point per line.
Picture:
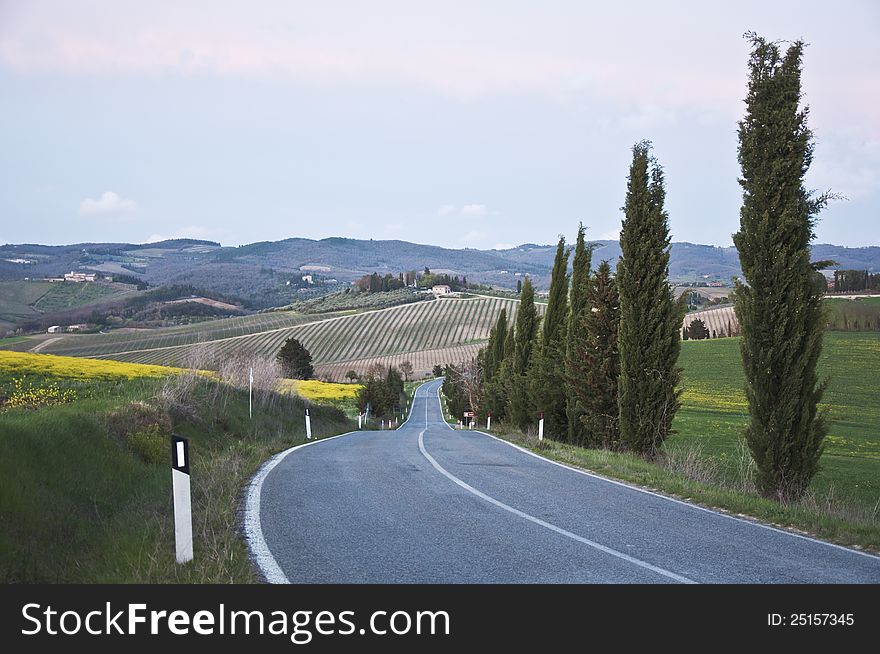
427	504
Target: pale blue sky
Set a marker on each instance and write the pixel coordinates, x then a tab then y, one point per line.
481	124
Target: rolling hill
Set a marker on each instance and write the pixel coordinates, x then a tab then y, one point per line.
448	330
269	274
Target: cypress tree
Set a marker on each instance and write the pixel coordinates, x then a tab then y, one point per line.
650	318
520	407
549	396
779	309
578	306
493	378
527	323
498	345
596	367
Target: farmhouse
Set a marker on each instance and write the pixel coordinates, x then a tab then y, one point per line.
54	329
441	289
77	328
80	277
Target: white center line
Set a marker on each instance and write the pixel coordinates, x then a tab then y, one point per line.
547	525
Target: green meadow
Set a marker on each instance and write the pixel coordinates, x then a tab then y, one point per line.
714	412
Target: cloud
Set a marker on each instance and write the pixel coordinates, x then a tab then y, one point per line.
468	210
649	116
109	204
474	210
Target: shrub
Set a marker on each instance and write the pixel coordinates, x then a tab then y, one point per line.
143	429
150	444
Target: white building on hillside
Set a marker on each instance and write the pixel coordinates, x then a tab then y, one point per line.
80	277
441	289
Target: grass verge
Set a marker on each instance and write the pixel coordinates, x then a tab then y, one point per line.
85	486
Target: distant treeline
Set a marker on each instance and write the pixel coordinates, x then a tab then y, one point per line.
130	279
348	299
846	281
376	283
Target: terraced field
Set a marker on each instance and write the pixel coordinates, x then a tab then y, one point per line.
127	340
425	333
423	362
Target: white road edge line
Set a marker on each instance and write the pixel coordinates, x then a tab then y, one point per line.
501	505
666	497
253	527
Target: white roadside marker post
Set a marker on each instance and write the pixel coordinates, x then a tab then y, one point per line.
541	428
251	394
360	420
183	540
308	425
488	421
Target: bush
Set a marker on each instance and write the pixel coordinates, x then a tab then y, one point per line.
150	444
143	429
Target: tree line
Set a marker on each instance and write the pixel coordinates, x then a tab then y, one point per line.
376	283
846	281
601	367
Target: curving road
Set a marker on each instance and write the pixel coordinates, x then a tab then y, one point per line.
428	504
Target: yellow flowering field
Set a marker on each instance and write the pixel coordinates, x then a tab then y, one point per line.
18	364
318	391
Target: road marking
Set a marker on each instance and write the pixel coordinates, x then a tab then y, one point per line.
253	528
690	505
542	523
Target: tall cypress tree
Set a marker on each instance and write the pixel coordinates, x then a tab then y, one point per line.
578	306
780	308
520	407
500	337
493	375
650	318
595	370
549	364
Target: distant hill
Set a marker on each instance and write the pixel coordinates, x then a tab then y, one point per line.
693	261
270	273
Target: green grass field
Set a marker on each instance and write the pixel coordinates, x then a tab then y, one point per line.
714	411
17	299
24	300
68	295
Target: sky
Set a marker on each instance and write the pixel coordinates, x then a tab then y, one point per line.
481	124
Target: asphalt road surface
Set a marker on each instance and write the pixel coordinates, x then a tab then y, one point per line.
429	504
